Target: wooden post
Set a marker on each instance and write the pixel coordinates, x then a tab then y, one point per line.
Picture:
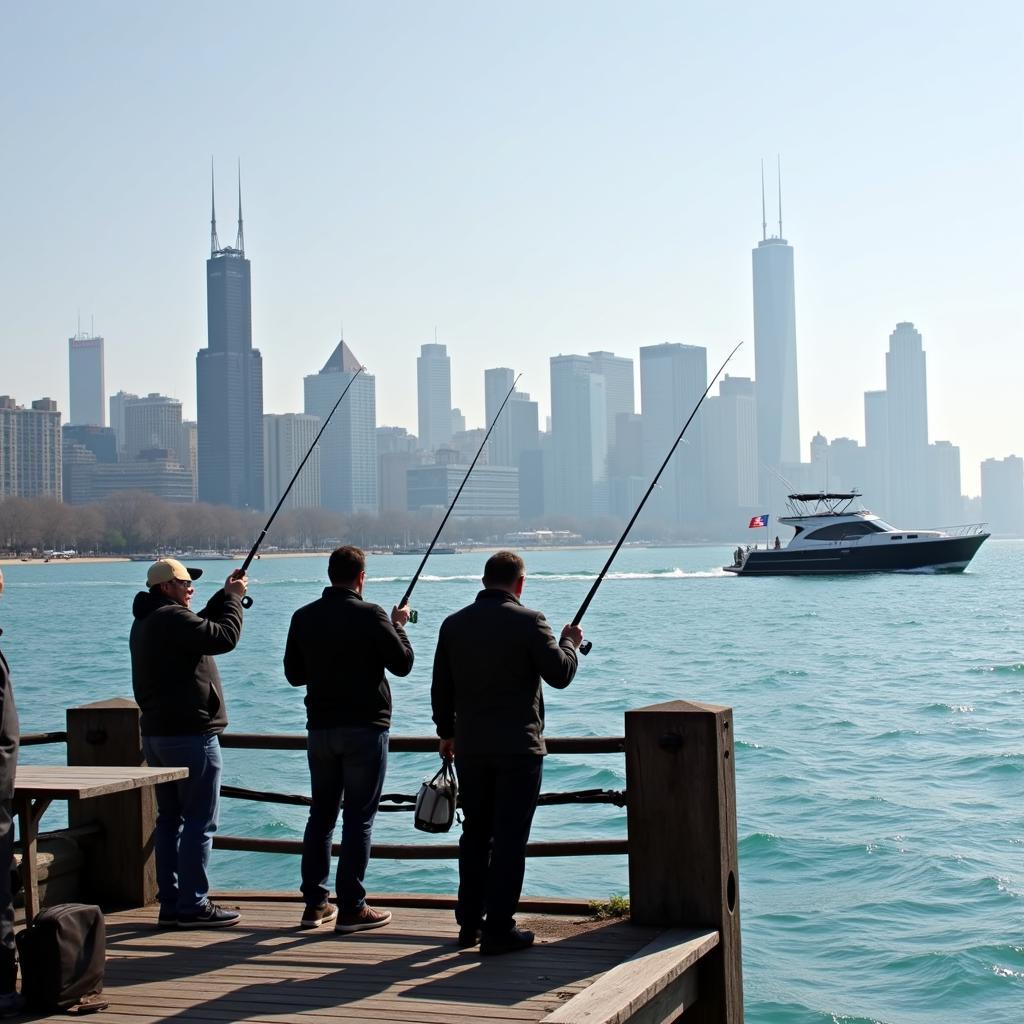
681	815
120	868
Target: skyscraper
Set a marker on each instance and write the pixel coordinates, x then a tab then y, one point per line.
618	385
876	450
434	396
286	440
85	377
778	413
906	389
1002	494
730	446
579	439
229	380
153	421
348	448
117	407
672	379
30	449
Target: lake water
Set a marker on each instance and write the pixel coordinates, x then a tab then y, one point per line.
880	749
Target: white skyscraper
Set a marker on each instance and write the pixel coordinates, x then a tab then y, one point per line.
672	379
730	446
875	487
778	412
618	381
906	388
579	439
348	448
118	403
434	395
85	376
286	439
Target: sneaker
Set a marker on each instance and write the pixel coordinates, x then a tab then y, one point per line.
314	916
506	942
167	919
468	937
361	920
11	1004
209	916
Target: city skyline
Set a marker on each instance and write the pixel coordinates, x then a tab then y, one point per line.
521	226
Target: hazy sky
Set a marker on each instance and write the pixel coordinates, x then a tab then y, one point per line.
530	178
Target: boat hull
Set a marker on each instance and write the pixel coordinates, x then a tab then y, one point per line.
944	554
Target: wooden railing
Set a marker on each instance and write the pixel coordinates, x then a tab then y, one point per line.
680	803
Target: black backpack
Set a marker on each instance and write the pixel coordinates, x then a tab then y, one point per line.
63	954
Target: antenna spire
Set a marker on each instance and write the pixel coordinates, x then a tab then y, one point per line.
214	243
764	221
778	165
240	237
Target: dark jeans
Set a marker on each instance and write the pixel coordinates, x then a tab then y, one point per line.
349	762
498	795
8	958
187	813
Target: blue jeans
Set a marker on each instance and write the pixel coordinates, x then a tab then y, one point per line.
186	819
347	761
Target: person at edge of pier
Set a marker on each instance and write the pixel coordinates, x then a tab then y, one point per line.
339	648
178	688
488	706
10	1001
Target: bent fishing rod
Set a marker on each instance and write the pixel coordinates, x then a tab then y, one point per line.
586	646
247	600
413	616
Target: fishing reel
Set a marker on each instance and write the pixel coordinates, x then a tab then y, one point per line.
246	601
586	647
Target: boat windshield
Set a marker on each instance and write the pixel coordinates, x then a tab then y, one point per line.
884	526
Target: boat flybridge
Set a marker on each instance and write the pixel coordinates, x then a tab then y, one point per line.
833	537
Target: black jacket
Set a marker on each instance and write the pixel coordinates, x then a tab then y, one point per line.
174	676
338	648
491	657
10	733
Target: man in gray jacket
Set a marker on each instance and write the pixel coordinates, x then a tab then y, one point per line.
179	691
489	710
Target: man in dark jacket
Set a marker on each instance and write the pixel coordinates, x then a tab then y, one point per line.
10	1001
339	648
178	688
489	710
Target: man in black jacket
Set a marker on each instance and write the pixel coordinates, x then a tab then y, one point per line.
489	710
178	688
339	648
10	1001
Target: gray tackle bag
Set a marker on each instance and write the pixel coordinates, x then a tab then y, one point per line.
436	800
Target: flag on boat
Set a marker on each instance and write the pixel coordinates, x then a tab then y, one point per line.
757	521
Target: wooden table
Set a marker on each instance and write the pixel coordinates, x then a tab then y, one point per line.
36	786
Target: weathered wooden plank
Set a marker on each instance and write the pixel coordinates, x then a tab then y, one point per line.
267	969
630	991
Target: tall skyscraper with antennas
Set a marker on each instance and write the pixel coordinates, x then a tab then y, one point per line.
229	379
778	407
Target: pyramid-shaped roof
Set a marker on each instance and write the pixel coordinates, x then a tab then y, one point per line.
341	361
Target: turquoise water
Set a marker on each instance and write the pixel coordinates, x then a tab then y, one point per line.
880	749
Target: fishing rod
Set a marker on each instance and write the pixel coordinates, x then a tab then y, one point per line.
413	616
247	600
586	646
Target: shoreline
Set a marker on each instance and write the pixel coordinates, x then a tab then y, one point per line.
239	556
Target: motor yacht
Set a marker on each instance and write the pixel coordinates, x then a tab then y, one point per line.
831	537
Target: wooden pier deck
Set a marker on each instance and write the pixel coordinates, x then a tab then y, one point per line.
267	969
